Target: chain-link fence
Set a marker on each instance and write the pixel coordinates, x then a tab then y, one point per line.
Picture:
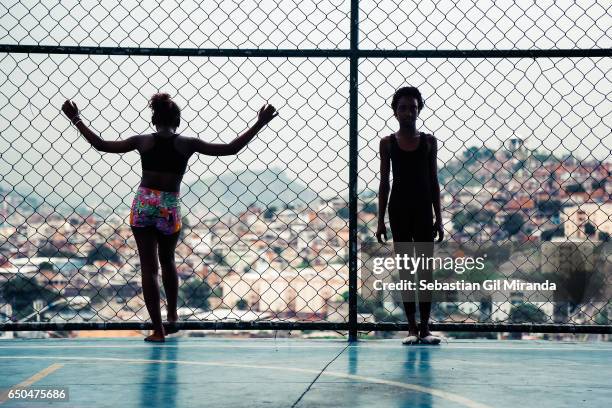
518	97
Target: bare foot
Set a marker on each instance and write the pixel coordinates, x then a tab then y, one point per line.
413	337
156	337
426	337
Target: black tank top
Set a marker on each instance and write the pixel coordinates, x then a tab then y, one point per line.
411	178
164	157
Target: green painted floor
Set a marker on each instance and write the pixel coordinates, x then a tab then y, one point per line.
187	372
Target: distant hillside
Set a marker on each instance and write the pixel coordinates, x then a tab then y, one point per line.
462	170
229	192
234	192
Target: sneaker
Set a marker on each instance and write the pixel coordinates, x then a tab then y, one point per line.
410	340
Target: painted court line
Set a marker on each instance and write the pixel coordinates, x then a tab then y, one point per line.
407	386
33	379
364	346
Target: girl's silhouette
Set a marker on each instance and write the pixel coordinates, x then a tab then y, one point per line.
155	216
413	158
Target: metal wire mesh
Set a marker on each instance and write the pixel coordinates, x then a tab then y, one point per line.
178	24
523	147
267	234
256	235
484	25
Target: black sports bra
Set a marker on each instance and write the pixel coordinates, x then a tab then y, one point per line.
164	157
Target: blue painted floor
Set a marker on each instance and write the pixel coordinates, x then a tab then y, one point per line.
188	372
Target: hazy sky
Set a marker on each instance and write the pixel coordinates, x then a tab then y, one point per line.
557	104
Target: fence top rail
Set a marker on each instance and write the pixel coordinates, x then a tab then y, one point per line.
305	53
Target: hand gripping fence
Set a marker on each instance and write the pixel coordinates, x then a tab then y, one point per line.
518	97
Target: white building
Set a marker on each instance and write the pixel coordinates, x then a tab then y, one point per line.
306	290
575	219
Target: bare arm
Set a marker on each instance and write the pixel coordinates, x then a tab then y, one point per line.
383	188
265	115
433	167
435	189
221	149
121	146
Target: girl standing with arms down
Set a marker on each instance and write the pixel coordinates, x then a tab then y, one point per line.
413	158
155	216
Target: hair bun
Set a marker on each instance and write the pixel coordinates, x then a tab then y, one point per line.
159	100
165	111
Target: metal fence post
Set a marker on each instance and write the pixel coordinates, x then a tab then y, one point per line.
353	158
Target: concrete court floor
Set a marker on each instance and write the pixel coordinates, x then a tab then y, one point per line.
190	372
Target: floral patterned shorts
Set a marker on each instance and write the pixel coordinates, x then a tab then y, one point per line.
160	209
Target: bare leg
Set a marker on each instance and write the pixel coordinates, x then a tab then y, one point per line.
424	310
166	250
410	309
146	241
425	298
408	298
